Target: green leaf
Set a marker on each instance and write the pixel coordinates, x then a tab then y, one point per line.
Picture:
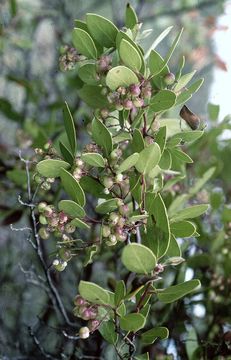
161	231
120	292
72	187
174	249
80	224
102	136
131	18
187	136
107	206
67	155
51	168
102	29
150	336
166	160
171	50
138	258
93	292
84	43
120	76
83	25
93	187
213	111
189	213
184	80
161	138
70	128
180	155
128	163
132	322
92	96
93	159
137	141
107	330
129	55
183	229
158	40
90	252
88	74
187	94
156	64
149	158
71	208
176	292
164	100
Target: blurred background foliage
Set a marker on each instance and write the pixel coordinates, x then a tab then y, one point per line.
33	34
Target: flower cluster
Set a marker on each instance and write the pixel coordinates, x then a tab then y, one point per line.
135	96
88	312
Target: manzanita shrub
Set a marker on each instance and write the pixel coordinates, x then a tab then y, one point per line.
121	183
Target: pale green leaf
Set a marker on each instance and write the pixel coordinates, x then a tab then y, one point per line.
138	258
51	168
120	76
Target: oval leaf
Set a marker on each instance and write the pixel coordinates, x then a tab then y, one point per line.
102	29
92	96
150	336
51	168
102	136
176	292
120	76
84	43
107	206
88	74
70	128
93	293
132	322
107	330
164	100
190	212
138	258
71	208
128	163
93	159
183	229
72	187
80	224
129	55
148	159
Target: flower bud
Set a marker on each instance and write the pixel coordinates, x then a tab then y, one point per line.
65	254
46	186
104	113
138	102
114	218
106	191
147	93
119	178
48	211
79	162
43	233
79	301
106	231
169	79
107	182
112	240
93	325
42	220
38	179
84	332
61	265
128	104
63	218
42	206
69	228
124	209
134	90
121	90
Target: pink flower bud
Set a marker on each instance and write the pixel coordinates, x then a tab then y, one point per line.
63	218
134	90
169	79
128	104
93	325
